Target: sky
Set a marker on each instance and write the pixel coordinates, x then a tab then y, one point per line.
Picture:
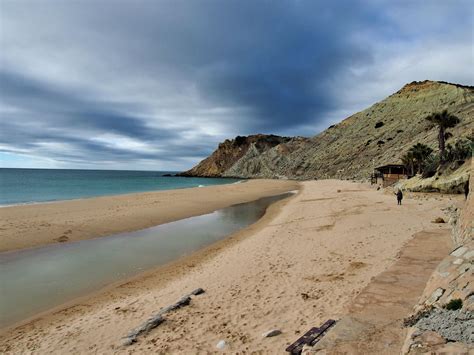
157	84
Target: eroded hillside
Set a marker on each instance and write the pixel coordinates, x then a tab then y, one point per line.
378	135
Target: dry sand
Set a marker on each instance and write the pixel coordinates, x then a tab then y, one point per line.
374	322
38	224
304	262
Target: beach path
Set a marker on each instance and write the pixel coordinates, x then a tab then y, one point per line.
374	323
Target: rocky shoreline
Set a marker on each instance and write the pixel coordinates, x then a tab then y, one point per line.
444	317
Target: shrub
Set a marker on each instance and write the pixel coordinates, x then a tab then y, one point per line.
430	166
378	124
239	140
454	304
461	150
416	158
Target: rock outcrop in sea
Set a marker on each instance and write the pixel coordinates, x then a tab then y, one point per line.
378	135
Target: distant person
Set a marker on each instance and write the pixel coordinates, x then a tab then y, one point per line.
466	189
399	197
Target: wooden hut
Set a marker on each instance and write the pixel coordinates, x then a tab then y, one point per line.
387	175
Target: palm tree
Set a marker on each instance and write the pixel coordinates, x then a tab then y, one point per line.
420	154
443	120
409	161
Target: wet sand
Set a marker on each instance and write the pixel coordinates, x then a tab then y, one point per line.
40	224
305	261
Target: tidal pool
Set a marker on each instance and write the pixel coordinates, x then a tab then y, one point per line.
38	279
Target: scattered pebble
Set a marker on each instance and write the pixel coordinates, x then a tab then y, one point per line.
451	325
271	333
221	344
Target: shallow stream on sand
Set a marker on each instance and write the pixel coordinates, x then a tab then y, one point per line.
35	280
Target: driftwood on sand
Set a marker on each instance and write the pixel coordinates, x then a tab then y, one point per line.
158	318
311	337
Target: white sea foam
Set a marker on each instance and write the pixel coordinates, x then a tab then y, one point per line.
239	182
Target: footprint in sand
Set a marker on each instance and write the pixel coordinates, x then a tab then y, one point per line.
356	265
62	239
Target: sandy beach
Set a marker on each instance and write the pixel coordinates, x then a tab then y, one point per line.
33	225
305	261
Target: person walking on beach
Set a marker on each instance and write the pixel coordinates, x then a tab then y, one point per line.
399	197
466	189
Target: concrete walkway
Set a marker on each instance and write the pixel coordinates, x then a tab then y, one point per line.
373	324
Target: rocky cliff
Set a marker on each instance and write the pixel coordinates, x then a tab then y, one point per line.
378	135
232	151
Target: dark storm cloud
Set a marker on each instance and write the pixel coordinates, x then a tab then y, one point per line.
55	108
165	81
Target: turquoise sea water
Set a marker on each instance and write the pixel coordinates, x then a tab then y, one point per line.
41	185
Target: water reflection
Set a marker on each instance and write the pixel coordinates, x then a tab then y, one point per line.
35	280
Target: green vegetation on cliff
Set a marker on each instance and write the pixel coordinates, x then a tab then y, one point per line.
378	135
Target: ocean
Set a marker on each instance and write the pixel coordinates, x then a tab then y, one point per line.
21	186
